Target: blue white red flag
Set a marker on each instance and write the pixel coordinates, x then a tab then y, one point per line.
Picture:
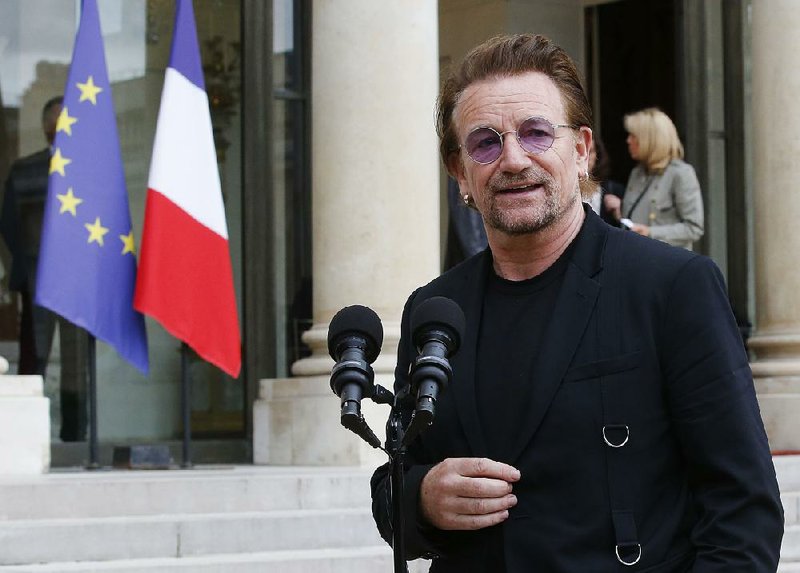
185	276
87	260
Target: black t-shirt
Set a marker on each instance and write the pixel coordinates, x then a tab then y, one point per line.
513	323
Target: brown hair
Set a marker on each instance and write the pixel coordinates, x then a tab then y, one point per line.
511	55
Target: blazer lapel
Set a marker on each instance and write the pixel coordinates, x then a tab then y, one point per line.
470	297
570	316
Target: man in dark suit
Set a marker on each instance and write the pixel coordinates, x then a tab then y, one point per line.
602	415
21	217
21	227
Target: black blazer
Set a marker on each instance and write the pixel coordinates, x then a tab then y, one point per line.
642	345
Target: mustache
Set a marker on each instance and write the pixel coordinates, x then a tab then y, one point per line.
500	181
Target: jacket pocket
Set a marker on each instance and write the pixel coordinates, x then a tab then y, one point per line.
604	367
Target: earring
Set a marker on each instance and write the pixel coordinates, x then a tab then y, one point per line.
465	197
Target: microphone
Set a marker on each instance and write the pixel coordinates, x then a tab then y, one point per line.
355	336
437	327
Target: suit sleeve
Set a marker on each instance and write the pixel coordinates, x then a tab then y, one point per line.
717	422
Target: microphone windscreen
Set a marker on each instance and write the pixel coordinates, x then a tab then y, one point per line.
359	321
439	312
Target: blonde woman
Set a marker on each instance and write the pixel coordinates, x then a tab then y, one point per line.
662	198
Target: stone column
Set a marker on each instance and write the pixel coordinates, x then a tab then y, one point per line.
375	210
776	147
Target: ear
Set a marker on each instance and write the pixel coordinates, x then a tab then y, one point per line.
455	167
583	144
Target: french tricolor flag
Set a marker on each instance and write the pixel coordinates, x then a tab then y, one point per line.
185	280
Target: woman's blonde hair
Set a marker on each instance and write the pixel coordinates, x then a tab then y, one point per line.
657	137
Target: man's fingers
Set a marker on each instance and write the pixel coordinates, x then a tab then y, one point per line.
484	467
467	493
482	487
481	505
470	522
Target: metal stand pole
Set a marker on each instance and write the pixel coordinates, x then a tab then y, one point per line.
398	520
396	450
186	406
92	367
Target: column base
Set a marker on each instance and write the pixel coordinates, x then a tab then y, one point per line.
24	426
777	384
296	422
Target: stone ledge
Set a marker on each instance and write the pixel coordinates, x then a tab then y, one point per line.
24	426
21	385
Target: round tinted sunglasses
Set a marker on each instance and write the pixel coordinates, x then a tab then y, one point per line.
535	135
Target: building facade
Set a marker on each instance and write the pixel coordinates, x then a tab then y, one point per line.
323	119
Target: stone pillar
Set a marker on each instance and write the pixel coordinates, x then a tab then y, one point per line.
24	424
375	210
776	123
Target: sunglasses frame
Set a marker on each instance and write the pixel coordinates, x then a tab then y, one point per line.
502	135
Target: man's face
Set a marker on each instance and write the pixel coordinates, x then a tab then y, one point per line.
49	122
520	192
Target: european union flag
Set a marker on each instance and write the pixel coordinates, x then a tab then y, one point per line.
87	261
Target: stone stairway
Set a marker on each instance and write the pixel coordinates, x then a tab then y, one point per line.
788	470
230	519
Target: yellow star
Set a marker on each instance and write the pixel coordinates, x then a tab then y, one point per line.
69	203
96	232
58	163
89	91
65	121
127	242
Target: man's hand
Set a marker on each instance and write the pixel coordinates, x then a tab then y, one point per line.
467	493
643	230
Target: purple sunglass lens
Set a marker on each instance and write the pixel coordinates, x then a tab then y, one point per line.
484	145
536	135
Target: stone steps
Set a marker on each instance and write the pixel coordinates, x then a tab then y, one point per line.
790	550
173	535
787	468
231	519
201	490
224	519
337	560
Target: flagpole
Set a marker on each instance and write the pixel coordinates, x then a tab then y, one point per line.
186	406
92	367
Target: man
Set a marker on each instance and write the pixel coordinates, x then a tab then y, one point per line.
465	233
21	228
602	415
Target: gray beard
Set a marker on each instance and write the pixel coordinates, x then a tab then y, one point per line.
546	213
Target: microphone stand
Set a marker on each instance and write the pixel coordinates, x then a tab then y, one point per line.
353	337
397	439
396	449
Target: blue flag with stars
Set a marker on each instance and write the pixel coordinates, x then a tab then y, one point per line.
87	259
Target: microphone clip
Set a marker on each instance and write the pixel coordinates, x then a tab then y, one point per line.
430	375
351	380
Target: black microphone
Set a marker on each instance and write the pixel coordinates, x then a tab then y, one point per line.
355	336
437	327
